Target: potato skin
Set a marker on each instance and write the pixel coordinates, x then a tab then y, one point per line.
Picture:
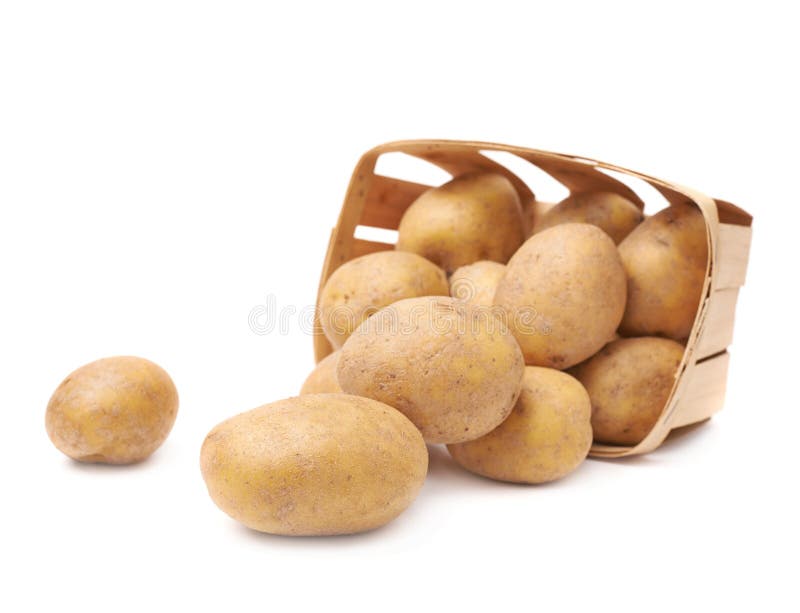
547	435
476	216
319	464
665	259
455	371
614	214
362	286
322	379
563	294
115	410
476	283
629	382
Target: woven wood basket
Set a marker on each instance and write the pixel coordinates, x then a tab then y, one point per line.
378	201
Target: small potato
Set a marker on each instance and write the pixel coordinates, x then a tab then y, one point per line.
114	411
612	213
476	216
453	370
546	437
665	259
629	383
563	294
315	465
362	286
476	283
322	379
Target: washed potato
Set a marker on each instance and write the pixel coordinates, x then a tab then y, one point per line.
115	411
546	437
314	465
614	214
563	294
322	379
362	286
476	216
452	369
665	259
476	283
629	382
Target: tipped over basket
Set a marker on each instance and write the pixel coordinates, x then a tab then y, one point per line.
377	201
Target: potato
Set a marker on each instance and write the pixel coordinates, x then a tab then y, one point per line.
115	411
629	383
476	283
322	379
563	294
476	216
665	259
314	465
547	435
612	213
453	370
362	286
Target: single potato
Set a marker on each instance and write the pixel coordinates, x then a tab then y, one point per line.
547	435
476	216
315	465
114	411
455	371
665	259
362	286
629	382
476	283
322	379
563	294
614	214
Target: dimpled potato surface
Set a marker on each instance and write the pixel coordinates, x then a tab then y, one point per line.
629	382
362	286
322	379
614	214
476	216
453	370
547	435
320	464
563	294
476	283
115	410
665	259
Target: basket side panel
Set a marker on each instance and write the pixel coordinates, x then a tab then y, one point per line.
705	391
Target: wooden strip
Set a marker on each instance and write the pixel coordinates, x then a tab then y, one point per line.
704	394
717	331
361	247
387	200
733	250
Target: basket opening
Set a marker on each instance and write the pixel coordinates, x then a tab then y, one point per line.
654	200
376	235
542	184
399	165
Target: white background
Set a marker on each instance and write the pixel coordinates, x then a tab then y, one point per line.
165	166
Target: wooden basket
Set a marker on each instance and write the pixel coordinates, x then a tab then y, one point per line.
377	201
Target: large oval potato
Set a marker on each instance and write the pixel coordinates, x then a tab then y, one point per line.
665	259
547	435
315	465
476	216
322	379
455	371
362	286
614	214
563	294
629	382
476	283
114	411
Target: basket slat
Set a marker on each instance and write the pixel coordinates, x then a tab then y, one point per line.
387	200
705	392
718	330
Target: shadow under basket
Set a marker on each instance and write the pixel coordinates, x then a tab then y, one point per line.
377	202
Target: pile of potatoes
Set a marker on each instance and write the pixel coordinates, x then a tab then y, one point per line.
516	349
